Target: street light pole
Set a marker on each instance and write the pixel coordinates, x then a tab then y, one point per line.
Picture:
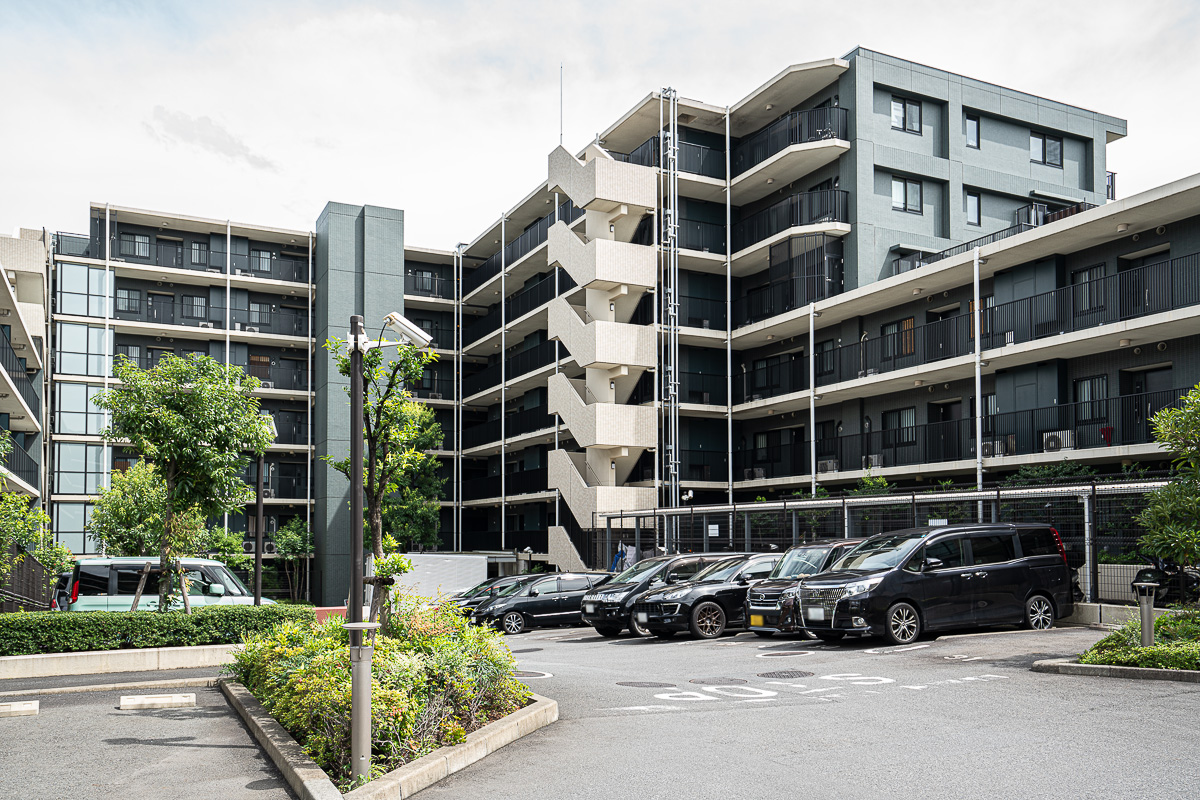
360	656
258	534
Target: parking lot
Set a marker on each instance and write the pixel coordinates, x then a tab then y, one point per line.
745	716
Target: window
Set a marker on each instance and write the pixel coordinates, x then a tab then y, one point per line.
906	115
131	351
260	367
1045	149
683	570
990	409
898	339
1090	394
576	583
93	580
81	350
545	587
128	579
135	244
992	548
758	570
74	411
1087	288
81	290
199	254
78	468
195	307
948	551
906	195
70	524
900	427
129	301
260	313
420	281
974	208
972	131
260	260
1038	542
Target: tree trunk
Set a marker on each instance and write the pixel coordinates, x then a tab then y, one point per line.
375	522
164	554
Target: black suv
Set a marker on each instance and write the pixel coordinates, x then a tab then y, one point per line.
901	583
707	604
610	610
764	601
470	599
538	600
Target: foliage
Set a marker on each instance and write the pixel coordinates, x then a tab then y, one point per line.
1172	514
71	631
1129	557
870	484
1176	644
294	544
814	518
195	420
413	516
23	525
225	546
128	518
1055	472
1178	430
436	678
951	511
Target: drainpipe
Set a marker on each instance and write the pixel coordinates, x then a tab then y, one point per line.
812	397
728	318
976	321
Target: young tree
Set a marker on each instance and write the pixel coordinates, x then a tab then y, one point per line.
396	433
195	420
224	545
814	518
25	529
1172	514
128	518
294	544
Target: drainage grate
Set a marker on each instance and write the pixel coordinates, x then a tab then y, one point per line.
718	681
526	650
646	685
786	673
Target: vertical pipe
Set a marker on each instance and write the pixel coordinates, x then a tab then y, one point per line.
258	530
977	322
812	397
658	336
608	553
637	537
728	318
354	612
503	381
228	290
309	400
704	533
557	351
746	527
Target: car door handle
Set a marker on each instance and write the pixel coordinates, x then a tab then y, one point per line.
966	576
981	574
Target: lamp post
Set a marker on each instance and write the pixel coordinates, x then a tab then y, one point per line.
258	517
358	345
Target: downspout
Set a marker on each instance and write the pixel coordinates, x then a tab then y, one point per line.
728	319
812	397
977	322
310	399
503	378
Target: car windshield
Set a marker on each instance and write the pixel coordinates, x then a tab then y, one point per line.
478	588
883	552
719	571
636	572
513	588
802	561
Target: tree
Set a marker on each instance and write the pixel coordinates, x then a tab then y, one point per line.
1172	514
195	420
412	514
128	518
293	544
869	485
396	433
814	518
224	545
25	529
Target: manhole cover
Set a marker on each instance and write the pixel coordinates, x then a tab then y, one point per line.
646	685
521	674
786	673
527	650
718	681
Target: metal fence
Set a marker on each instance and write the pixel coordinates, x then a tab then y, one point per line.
1096	521
27	587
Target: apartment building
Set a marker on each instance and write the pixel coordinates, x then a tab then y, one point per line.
23	259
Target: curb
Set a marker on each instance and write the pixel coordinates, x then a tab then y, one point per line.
97	662
1067	666
311	783
178	683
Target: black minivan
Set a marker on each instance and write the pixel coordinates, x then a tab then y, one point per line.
901	583
538	600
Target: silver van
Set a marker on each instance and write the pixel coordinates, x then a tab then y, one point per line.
109	584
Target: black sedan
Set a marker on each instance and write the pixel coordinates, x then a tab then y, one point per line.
538	600
707	605
770	607
470	599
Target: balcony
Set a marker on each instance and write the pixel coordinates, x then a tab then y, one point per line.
922	258
702	312
798	127
771	380
286	374
429	286
706	237
704	465
528	481
442	336
518	305
515	424
701	389
776	461
277	321
295	432
21	464
803	208
1125	296
519	364
196	312
694	159
72	244
1036	214
912	347
519	247
782	296
19	377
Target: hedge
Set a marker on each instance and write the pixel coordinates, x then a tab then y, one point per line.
31	633
1176	644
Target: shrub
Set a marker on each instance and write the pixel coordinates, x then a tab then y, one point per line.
31	633
1176	644
435	679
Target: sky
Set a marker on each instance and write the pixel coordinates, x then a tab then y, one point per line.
261	111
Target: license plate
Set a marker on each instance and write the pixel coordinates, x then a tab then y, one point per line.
756	620
590	608
642	617
815	613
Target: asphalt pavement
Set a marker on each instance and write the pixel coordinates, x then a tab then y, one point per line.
748	717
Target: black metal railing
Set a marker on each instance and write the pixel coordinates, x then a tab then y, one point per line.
702	388
442	335
73	244
1040	213
775	461
515	424
922	344
518	364
26	587
782	296
707	237
696	159
518	248
429	286
1110	185
704	465
771	380
525	482
17	373
923	259
287	376
919	444
280	321
437	387
20	463
803	208
797	127
291	432
1130	294
702	312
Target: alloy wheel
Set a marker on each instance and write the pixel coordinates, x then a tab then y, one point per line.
1039	613
903	623
708	620
513	623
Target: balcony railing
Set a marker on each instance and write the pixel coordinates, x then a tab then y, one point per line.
295	432
707	237
782	296
519	247
923	259
771	380
197	312
17	373
702	312
287	487
922	344
518	364
515	483
803	208
1110	185
704	465
1040	214
515	424
429	286
797	127
72	244
437	387
695	159
20	463
776	461
286	376
701	388
1133	293
279	321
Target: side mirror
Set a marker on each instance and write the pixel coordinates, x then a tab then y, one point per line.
933	563
216	589
743	580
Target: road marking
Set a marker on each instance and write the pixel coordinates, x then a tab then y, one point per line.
963	658
882	651
758	700
814	691
684	696
739	691
856	679
644	708
918	688
533	675
789	685
785	654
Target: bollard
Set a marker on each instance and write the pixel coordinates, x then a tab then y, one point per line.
1145	590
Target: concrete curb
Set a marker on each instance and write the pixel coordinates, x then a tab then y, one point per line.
1067	666
180	683
428	770
306	779
97	662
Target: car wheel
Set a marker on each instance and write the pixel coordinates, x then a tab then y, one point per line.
764	634
830	636
708	620
609	633
636	628
512	623
903	624
1039	613
664	634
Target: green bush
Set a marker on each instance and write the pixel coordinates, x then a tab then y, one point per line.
436	678
1176	644
30	633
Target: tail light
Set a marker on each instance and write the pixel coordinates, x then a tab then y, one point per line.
1062	551
74	590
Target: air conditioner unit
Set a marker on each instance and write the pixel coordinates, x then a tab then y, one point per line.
268	494
240	271
827	465
248	546
206	324
753	474
215	269
993	449
251	329
269	548
873	461
435	395
1053	441
267	384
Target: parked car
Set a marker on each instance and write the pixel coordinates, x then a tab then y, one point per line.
610	610
470	599
61	596
763	602
538	600
109	584
902	583
713	601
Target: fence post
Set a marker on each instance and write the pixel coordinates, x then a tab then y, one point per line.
795	528
608	555
746	518
704	533
845	519
1093	551
637	537
914	510
1089	549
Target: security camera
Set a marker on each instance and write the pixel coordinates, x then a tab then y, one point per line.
406	330
527	550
